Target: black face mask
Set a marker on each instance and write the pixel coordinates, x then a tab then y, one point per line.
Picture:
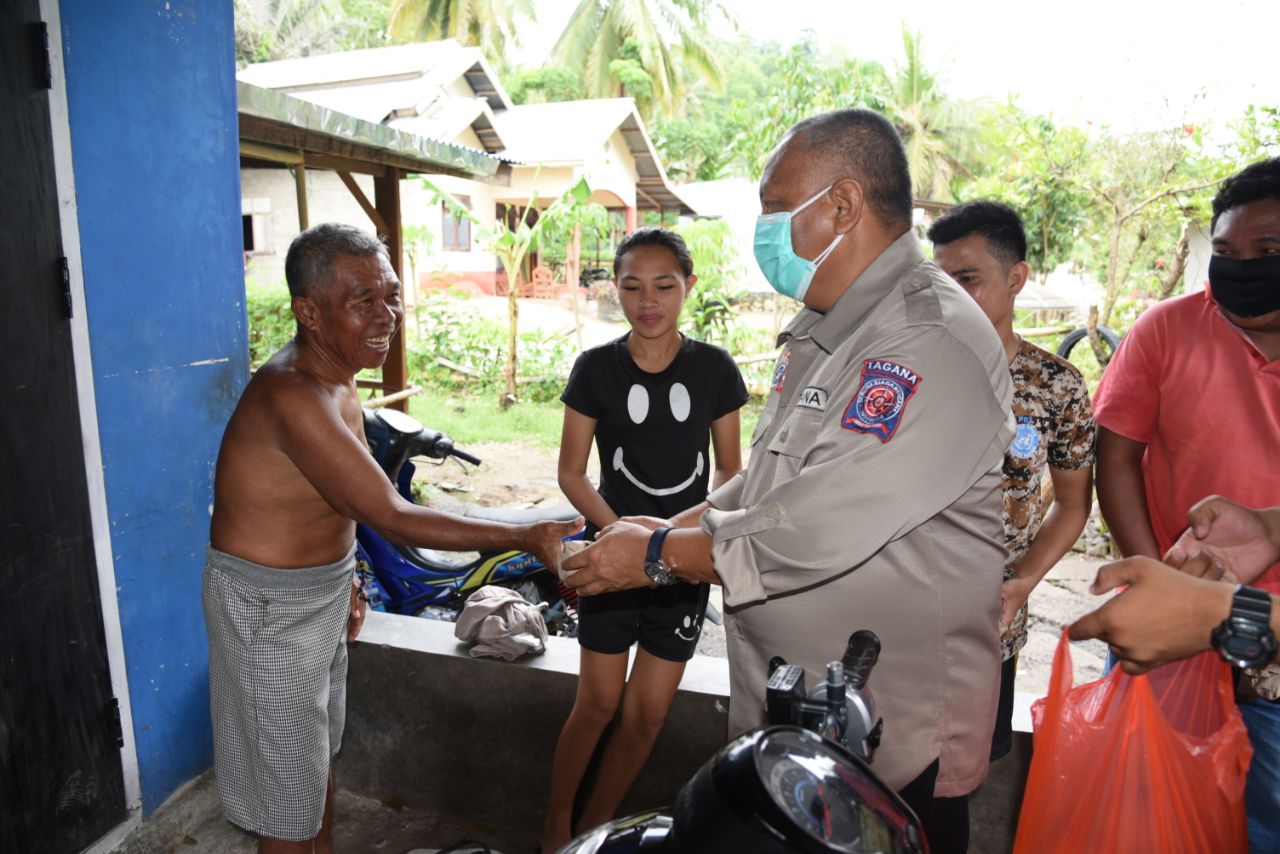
1246	288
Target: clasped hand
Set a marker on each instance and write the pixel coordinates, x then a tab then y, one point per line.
615	561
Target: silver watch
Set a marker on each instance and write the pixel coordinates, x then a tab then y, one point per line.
659	573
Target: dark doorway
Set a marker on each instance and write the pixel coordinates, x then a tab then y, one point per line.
61	783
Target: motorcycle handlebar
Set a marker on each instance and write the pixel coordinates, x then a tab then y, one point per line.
860	657
438	446
465	457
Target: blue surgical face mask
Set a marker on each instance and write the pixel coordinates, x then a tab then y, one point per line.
787	272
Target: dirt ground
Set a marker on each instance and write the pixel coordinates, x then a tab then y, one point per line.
517	475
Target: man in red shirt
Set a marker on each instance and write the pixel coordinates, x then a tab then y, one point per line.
1190	406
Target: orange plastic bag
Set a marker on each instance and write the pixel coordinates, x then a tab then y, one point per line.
1137	763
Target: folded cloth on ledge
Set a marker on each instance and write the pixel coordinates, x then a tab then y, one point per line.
502	624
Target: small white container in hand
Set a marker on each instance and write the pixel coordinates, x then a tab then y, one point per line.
567	549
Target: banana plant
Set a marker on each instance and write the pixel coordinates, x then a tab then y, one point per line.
511	243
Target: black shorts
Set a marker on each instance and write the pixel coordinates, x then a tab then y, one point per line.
665	620
1002	738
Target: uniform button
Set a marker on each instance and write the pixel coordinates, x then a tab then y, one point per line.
782	437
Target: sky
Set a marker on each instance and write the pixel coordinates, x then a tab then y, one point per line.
1124	63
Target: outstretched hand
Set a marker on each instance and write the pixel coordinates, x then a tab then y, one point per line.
1164	615
1234	541
615	561
542	539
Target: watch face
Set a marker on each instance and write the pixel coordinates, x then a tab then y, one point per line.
659	573
1247	651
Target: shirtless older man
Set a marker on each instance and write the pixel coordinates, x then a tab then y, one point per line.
294	476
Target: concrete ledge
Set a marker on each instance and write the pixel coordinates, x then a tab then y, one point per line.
1022	710
432	728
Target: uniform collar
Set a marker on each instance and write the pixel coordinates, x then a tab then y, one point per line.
859	298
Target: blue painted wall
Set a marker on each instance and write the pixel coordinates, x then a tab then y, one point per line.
151	85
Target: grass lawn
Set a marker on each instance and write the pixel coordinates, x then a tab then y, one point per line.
472	419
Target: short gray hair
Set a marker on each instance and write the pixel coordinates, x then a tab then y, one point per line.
313	253
860	144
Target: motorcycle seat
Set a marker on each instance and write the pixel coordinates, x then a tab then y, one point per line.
557	513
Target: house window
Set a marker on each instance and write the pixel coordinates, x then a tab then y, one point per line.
457	229
255	218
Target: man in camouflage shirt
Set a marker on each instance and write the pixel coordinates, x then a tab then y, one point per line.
983	247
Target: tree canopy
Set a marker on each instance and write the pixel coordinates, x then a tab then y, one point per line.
1120	205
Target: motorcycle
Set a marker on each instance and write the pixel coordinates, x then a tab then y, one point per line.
800	783
430	583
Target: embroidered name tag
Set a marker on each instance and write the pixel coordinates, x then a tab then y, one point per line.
883	391
814	398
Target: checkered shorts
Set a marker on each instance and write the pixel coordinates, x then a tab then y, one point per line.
277	686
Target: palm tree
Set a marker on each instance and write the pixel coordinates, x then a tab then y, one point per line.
604	37
267	30
934	129
488	24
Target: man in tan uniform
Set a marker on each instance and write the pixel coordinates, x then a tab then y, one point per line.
873	494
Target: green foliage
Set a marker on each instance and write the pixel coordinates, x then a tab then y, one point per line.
1033	165
511	242
267	30
451	327
488	24
598	228
802	84
938	132
667	41
695	150
271	321
633	80
1259	134
471	419
1145	189
697	144
543	85
1115	204
367	24
709	307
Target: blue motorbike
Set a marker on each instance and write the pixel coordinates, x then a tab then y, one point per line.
434	584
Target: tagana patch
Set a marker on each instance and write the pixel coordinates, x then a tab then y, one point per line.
883	391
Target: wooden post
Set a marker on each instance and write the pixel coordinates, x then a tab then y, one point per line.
300	185
386	200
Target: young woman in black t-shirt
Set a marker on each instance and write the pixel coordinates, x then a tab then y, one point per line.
652	402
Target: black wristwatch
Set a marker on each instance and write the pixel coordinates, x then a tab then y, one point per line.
659	573
1245	638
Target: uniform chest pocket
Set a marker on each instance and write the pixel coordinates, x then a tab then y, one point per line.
798	435
762	427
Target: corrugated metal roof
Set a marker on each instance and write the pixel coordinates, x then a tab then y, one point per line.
574	131
429	154
352	66
389	83
405	87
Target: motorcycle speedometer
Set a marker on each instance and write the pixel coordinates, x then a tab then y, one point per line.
785	789
812	787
